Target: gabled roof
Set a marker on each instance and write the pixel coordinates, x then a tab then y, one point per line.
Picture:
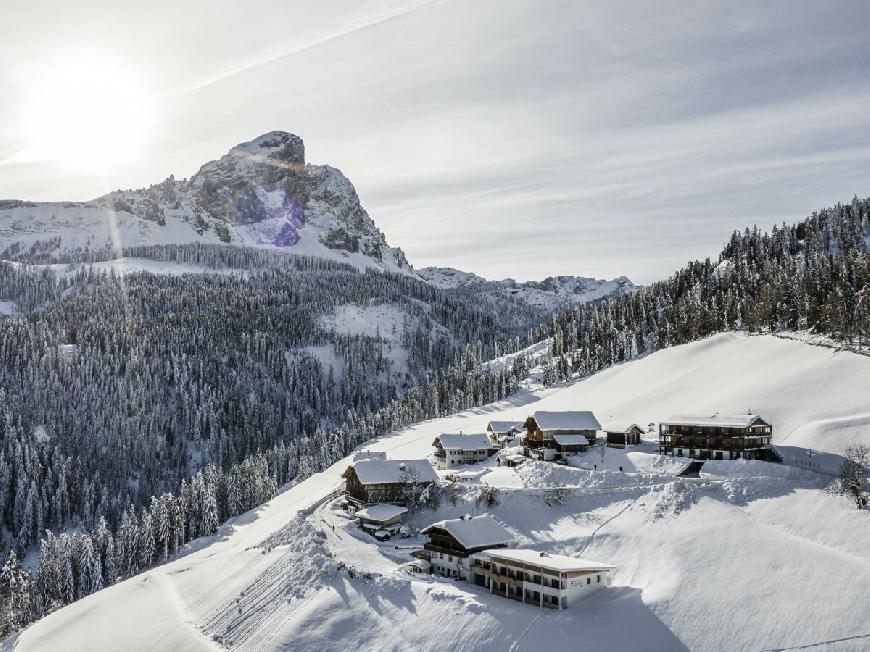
577	420
620	427
463	442
547	560
477	532
571	440
721	420
503	427
392	471
381	512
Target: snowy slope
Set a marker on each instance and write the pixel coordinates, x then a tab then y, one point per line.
260	194
551	294
750	556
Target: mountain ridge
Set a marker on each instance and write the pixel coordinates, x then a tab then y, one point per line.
263	194
260	194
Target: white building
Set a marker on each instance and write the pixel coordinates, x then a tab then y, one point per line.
501	433
455	450
452	541
538	578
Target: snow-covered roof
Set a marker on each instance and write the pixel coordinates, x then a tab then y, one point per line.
571	440
571	420
547	560
381	512
477	532
722	420
393	471
464	442
504	427
368	455
619	427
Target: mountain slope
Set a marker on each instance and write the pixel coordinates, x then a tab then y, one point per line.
260	194
551	294
689	554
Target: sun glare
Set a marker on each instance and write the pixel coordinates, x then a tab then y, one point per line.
89	114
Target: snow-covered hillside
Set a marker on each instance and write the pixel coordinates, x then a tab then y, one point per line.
750	556
550	294
260	194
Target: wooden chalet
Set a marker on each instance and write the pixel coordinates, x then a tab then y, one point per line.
387	481
452	541
542	428
621	435
717	437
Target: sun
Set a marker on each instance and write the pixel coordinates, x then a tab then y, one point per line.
88	113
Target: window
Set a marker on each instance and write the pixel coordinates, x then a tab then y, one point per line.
598	578
589	580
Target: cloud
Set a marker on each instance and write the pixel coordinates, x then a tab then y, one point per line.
369	14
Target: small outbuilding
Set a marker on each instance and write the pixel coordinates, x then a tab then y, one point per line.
570	444
622	435
380	516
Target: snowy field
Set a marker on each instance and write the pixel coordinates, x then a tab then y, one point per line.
750	556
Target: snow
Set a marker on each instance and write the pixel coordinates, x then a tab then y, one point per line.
381	512
131	265
551	294
571	440
384	321
392	471
728	561
504	427
566	420
723	420
8	309
558	563
464	442
475	532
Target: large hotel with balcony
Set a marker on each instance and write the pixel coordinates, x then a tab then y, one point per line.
717	437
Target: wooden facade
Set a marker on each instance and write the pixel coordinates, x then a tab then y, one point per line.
715	438
371	493
621	438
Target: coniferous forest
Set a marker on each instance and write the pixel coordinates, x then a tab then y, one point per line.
139	412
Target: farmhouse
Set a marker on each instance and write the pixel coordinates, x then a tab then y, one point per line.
717	437
387	481
452	541
539	578
542	428
622	435
455	450
502	432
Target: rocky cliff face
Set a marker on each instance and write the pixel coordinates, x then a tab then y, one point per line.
553	293
261	193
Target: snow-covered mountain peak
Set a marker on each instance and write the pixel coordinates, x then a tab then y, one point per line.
259	194
553	293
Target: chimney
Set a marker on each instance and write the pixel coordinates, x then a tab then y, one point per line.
544	554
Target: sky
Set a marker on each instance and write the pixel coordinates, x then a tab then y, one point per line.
514	139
